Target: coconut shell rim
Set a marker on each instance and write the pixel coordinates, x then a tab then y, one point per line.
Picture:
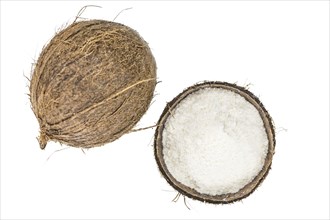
192	193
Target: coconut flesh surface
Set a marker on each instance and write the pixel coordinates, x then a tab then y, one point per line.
214	141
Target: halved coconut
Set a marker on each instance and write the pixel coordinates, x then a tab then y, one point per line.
215	142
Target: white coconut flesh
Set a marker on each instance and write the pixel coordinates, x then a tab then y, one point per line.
214	141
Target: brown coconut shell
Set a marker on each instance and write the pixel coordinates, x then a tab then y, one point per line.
192	193
92	83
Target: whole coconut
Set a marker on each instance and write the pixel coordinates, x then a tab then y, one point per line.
92	83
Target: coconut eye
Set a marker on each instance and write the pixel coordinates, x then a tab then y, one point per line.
215	142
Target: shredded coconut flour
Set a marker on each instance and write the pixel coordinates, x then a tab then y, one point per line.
214	141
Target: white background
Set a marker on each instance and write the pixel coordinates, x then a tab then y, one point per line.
280	48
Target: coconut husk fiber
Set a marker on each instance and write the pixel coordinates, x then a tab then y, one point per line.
190	192
92	83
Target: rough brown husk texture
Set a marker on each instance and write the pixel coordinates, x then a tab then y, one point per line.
192	193
92	83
